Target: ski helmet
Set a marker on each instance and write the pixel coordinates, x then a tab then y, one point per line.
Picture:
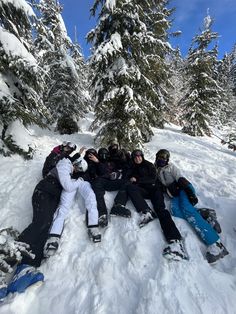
163	154
80	164
162	158
137	152
113	149
103	154
69	145
90	151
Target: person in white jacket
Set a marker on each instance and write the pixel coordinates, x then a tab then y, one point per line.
88	195
45	201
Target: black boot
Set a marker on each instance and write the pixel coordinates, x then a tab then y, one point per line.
210	216
120	210
94	234
103	221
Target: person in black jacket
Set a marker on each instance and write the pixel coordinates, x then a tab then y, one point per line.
59	152
144	184
120	157
109	178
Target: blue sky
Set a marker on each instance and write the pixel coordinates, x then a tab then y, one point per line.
188	18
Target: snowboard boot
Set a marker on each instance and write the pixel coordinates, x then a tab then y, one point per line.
103	221
51	246
120	210
210	216
216	251
94	234
24	277
175	251
146	217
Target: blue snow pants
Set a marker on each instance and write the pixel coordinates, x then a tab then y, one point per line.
182	208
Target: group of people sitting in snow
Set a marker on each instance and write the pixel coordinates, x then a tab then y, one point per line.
91	173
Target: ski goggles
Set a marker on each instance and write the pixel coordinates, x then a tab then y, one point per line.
162	157
114	146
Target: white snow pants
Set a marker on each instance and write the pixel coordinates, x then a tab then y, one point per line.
86	191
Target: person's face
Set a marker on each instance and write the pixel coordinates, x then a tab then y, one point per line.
138	159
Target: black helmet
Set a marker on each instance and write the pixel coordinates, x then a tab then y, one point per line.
136	152
90	151
114	147
103	154
163	154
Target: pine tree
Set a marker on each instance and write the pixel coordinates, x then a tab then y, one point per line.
228	103
176	89
57	57
233	68
83	74
202	98
128	60
20	76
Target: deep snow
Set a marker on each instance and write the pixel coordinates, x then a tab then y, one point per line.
126	272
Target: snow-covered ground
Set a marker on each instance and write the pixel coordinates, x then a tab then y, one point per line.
126	272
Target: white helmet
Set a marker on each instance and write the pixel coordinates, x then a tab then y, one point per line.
80	164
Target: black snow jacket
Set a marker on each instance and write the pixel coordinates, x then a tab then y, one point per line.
145	174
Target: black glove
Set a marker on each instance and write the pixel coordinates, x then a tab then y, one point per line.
74	157
191	196
115	175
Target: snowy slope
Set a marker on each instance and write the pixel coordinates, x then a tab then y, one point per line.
126	272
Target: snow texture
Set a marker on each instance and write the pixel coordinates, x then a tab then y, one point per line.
14	47
126	272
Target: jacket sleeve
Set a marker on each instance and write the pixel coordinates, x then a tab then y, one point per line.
175	172
64	169
51	162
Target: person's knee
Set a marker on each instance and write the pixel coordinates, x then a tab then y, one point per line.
98	184
132	188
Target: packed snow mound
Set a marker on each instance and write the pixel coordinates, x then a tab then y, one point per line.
126	273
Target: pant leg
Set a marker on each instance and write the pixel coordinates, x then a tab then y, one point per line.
157	197
137	195
89	197
99	190
44	206
175	208
100	185
201	226
122	195
61	212
168	226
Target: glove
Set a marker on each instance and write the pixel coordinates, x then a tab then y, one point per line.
51	246
74	157
11	250
115	175
191	196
